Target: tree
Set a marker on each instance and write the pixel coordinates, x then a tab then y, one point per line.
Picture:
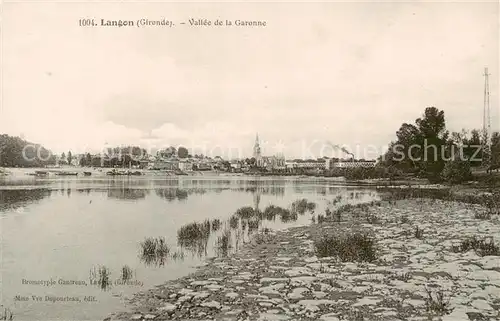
420	147
456	171
468	145
182	152
168	152
88	159
69	157
16	152
495	148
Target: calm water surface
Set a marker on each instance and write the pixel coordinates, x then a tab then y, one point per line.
95	230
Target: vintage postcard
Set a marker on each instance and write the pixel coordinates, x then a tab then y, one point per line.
249	160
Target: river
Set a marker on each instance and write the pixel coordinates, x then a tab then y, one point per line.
78	247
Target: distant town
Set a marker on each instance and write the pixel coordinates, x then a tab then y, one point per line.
179	159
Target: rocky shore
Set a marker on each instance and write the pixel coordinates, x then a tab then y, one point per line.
421	272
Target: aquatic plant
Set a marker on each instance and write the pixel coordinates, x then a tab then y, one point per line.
234	222
192	232
246	212
356	247
6	315
194	237
127	273
101	277
272	211
178	255
216	224
302	205
336	200
321	218
224	243
154	251
253	225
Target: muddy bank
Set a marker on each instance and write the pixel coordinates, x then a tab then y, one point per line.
278	276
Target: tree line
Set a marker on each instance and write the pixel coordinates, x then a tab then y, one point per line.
427	149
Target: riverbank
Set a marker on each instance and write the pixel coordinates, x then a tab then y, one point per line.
420	268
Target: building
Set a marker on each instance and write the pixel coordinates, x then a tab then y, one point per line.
166	164
269	162
305	164
333	163
257	153
185	165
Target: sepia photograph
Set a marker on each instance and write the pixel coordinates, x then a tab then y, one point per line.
249	161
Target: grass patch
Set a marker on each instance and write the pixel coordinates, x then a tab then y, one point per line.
321	218
303	205
419	233
264	236
372	219
436	304
482	247
350	248
405	277
482	215
337	214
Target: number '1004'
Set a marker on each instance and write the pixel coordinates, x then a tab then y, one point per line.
86	22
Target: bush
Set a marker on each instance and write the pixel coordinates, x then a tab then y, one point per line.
351	248
456	172
437	304
482	247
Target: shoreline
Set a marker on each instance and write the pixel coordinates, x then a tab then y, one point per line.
278	275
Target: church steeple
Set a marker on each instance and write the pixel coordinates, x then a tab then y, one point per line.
256	147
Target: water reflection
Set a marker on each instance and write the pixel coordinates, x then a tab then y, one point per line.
128	194
20	197
100	276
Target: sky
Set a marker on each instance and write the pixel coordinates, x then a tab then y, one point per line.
345	73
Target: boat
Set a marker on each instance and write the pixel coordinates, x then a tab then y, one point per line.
115	172
87	173
64	173
125	173
41	173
